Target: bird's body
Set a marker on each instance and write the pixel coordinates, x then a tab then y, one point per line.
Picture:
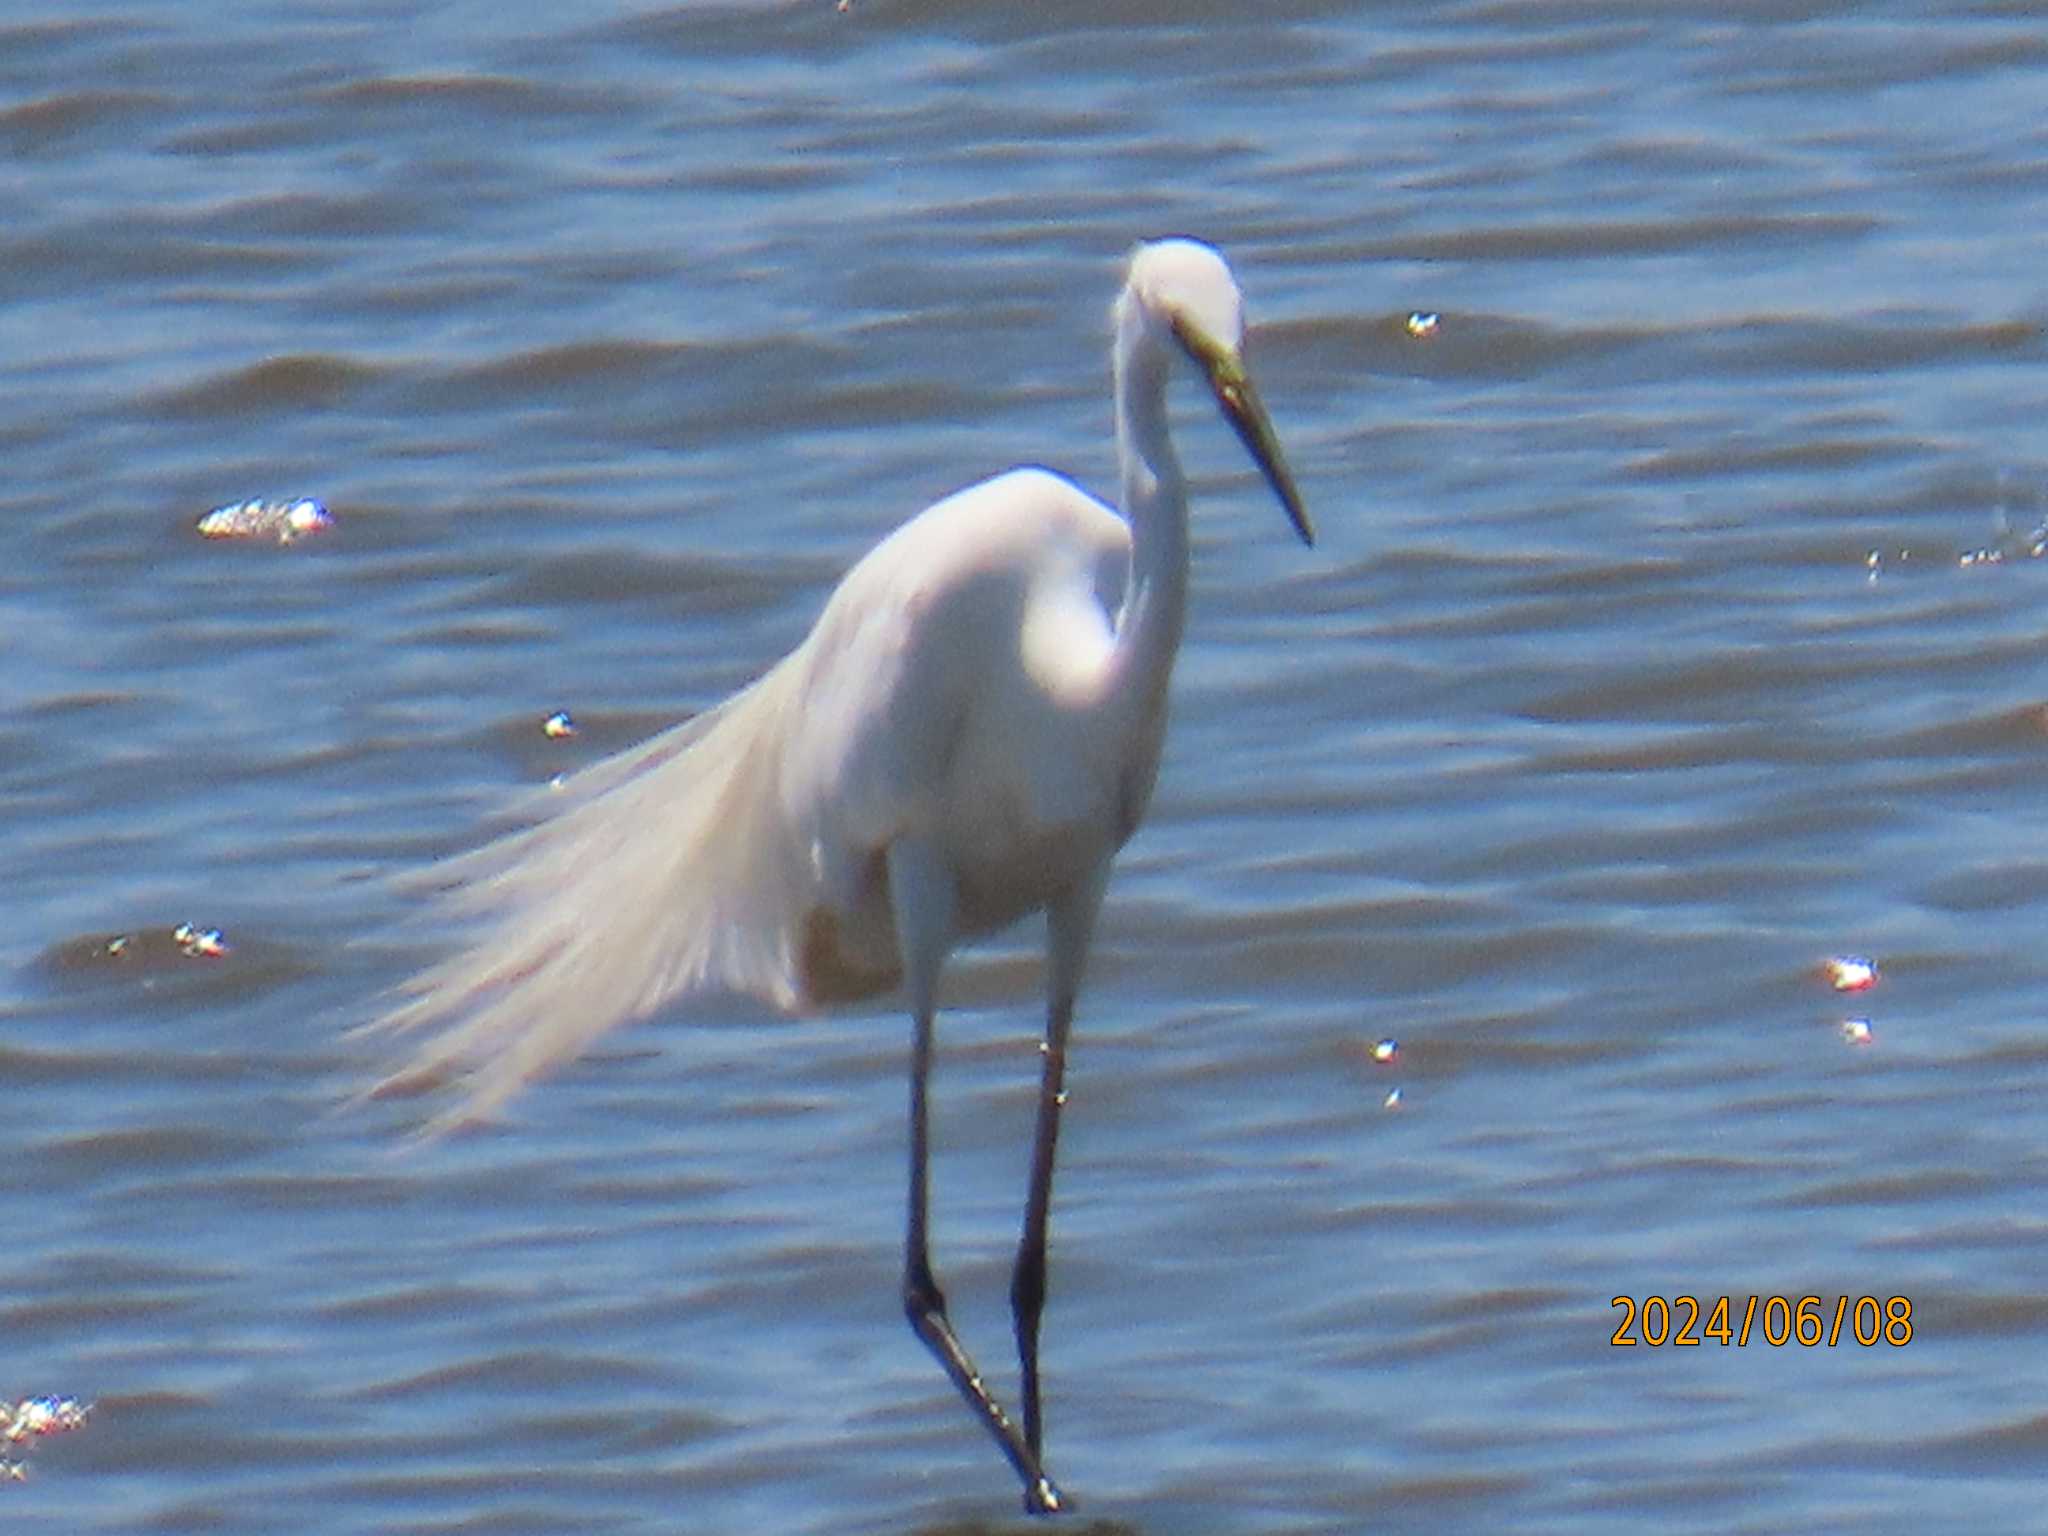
977	629
969	733
942	693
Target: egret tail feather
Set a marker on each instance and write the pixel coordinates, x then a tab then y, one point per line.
667	870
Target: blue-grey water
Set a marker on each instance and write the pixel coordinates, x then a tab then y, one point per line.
1677	624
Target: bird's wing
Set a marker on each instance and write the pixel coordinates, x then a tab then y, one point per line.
930	636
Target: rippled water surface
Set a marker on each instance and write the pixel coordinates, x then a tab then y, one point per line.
1677	623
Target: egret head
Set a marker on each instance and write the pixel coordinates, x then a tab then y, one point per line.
1185	289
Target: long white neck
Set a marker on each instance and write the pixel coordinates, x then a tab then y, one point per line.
1155	501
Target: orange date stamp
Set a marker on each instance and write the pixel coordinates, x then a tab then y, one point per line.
1807	1321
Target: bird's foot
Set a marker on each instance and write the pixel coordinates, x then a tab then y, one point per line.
1043	1497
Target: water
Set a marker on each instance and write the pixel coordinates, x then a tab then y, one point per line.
1638	670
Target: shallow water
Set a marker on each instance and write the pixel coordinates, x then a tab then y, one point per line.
1645	661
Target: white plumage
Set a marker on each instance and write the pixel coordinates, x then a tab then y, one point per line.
969	733
741	851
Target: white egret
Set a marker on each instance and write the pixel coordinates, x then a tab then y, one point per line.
969	733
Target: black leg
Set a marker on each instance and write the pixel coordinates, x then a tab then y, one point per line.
925	1305
1027	1280
1070	923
